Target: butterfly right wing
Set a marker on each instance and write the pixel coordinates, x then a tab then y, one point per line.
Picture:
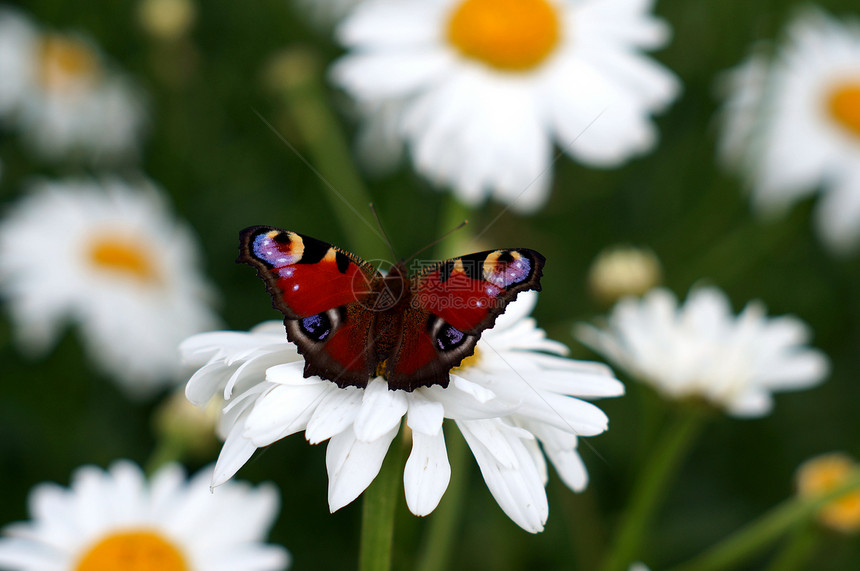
452	303
323	293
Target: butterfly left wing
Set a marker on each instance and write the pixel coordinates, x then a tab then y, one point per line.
452	303
323	293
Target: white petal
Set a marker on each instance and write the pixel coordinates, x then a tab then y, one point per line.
394	25
498	438
352	465
479	393
570	468
596	122
799	371
335	413
236	451
22	554
560	448
517	486
427	473
463	405
284	410
564	412
751	404
289	374
374	77
250	557
205	382
838	214
425	415
381	411
520	308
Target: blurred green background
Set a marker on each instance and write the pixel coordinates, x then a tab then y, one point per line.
225	169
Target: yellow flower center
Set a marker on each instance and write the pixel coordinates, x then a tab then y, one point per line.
133	550
66	63
826	473
468	361
510	35
844	106
125	257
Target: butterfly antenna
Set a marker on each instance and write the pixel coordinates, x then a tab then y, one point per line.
434	242
384	233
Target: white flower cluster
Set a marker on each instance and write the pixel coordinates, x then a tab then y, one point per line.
62	96
791	123
479	90
116	519
701	350
109	256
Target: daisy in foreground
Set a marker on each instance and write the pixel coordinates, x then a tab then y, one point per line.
115	519
703	351
514	397
109	256
478	90
62	96
791	123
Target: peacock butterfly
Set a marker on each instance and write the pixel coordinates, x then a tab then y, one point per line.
351	323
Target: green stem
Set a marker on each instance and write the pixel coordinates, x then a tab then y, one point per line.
443	522
799	547
454	213
653	481
584	520
377	519
757	535
298	75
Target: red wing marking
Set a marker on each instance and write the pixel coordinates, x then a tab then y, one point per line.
311	289
305	276
469	292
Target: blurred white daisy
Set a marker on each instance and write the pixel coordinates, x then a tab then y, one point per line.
116	519
791	123
478	90
702	350
110	257
61	95
516	396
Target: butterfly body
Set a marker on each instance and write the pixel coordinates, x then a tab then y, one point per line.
351	323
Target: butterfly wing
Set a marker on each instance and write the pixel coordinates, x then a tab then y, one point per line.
452	303
323	293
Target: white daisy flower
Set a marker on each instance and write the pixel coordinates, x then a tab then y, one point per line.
515	396
115	519
791	123
61	95
702	350
479	90
110	257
